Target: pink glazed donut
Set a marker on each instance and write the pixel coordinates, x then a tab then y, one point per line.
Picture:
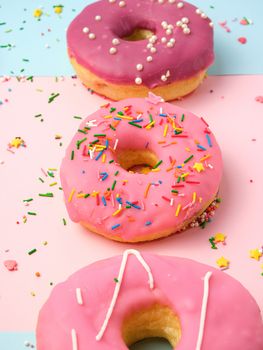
116	302
126	48
141	169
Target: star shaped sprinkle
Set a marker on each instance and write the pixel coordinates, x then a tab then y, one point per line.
198	167
255	254
220	238
223	262
16	142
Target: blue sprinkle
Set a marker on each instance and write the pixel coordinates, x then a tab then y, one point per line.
99	155
107	144
116	118
160	182
115	226
119	200
179	166
163	115
104	201
104	177
137	121
133	205
208	140
201	147
148	223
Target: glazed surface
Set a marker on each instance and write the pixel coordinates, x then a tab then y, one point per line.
119	203
232	320
93	33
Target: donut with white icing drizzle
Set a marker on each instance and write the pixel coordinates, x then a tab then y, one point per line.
141	169
123	49
116	302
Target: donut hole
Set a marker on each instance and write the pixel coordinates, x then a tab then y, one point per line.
151	344
138	34
137	161
157	321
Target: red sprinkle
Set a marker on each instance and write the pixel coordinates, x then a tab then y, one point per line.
11	265
259	99
242	40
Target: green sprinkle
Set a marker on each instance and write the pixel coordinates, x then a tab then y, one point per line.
2	23
116	280
25	60
41	180
218	200
117	172
135	124
111	161
64	222
82	131
32	251
182	119
52	97
31	213
79	142
95	141
30	78
128	207
151	117
178	179
50	174
72	155
113	185
189	158
8	30
156	165
77	117
175	191
48	194
38	115
28	200
112	127
112	109
99	135
212	242
120	113
87	195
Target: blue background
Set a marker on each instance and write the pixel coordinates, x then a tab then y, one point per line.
231	56
43	44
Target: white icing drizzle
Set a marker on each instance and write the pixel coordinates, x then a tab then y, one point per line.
74	339
118	285
203	310
79	296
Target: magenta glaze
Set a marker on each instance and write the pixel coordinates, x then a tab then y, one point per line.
83	173
233	320
190	54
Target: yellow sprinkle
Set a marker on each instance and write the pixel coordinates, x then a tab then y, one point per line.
178	209
80	195
108	116
165	130
53	184
187	149
117	212
178	129
58	9
104	158
52	169
147	190
194	197
94	194
37	13
150	125
205	157
156	170
184	175
125	117
71	194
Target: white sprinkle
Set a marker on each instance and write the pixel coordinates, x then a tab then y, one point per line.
153	49
169	32
116	144
180	5
184	25
79	296
122	3
187	31
149	45
164	24
198	11
115	41
112	50
179	23
149	59
74	339
172	202
185	20
170	26
167	74
112	1
153	39
170	44
163	78
98	18
163	40
139	67
171	1
172	40
203	15
138	81
161	1
92	36
211	24
85	30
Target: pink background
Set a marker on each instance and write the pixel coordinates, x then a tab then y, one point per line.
235	118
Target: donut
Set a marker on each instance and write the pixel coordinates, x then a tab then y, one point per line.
116	302
123	49
176	185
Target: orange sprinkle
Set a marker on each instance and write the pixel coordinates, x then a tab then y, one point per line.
147	190
194	197
205	157
37	274
178	209
71	194
156	170
169	169
161	142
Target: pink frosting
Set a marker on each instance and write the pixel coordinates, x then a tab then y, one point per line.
233	320
151	213
188	55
